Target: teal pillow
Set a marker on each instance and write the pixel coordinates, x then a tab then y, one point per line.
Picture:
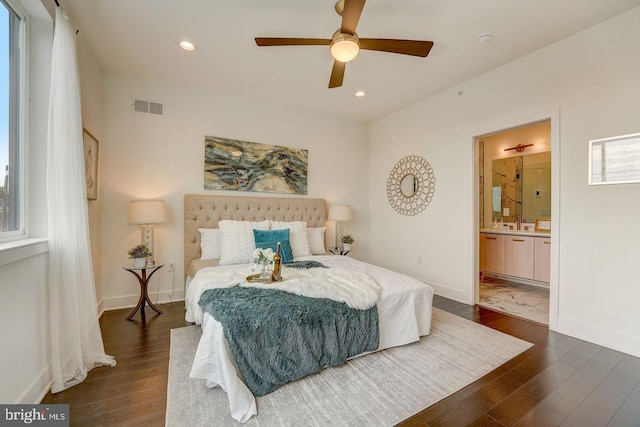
269	239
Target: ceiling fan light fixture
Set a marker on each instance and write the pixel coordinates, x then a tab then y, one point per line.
344	47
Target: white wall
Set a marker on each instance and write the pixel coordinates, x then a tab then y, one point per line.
144	156
91	99
24	313
588	85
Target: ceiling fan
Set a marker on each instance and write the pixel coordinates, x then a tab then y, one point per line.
345	43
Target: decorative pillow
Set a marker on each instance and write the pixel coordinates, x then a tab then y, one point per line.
270	238
210	243
237	240
316	240
297	236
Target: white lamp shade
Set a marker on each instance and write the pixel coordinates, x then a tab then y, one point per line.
339	213
147	212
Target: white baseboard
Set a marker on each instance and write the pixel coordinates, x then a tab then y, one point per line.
454	294
100	308
128	301
38	388
605	337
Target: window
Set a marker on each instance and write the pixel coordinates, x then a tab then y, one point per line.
12	78
614	160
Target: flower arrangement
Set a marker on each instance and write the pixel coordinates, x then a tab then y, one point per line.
139	251
263	255
347	239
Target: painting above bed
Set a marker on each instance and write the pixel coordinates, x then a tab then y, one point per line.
231	164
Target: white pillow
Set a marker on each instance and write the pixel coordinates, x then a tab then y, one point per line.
297	236
238	243
316	240
210	243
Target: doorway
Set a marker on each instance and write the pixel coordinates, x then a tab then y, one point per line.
514	195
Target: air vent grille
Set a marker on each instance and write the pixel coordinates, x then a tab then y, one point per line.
149	107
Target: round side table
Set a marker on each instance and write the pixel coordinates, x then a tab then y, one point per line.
143	279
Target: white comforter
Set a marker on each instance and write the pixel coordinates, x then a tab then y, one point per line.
404	315
355	288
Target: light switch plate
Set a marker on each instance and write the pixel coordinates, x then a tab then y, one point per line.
505	211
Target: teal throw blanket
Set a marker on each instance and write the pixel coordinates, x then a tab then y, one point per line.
276	337
305	264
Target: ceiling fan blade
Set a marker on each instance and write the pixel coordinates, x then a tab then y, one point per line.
282	41
404	47
351	15
337	74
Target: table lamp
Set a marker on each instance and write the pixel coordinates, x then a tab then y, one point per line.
339	213
146	213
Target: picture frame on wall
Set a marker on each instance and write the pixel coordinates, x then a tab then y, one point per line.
543	224
90	144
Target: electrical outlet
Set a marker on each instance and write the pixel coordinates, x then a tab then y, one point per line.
171	266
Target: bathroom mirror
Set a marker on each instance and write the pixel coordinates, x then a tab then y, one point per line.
408	185
522	185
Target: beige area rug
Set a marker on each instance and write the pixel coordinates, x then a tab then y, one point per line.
379	389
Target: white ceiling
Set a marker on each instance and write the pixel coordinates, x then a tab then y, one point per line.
141	37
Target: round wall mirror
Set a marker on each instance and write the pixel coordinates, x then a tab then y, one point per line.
408	185
411	185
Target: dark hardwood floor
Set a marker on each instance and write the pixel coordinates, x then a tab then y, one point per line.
134	392
559	381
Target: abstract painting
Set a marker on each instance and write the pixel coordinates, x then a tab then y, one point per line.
231	164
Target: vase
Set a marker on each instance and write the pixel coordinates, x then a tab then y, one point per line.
265	271
346	247
139	262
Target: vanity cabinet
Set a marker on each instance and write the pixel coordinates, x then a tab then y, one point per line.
542	261
492	252
519	256
516	255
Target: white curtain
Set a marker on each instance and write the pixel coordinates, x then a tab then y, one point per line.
76	339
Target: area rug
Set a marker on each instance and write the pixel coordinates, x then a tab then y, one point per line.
379	389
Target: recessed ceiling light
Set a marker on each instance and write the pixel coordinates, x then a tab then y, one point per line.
185	45
360	94
484	39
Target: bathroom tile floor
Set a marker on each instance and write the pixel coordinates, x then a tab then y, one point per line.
525	301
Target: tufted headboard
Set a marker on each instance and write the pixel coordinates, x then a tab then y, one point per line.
204	211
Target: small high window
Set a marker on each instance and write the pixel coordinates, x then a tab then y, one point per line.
614	160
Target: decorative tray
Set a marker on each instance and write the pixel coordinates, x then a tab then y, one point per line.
255	278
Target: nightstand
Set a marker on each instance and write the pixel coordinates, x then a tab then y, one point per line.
143	279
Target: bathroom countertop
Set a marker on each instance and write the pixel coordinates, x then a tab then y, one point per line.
515	232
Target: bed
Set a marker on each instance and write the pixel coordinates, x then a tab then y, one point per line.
403	304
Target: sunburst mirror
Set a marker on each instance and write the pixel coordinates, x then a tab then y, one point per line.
411	185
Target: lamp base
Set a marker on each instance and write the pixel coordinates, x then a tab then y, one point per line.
339	234
146	237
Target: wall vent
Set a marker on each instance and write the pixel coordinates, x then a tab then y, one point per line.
149	107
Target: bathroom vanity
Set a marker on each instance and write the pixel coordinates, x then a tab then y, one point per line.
515	253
